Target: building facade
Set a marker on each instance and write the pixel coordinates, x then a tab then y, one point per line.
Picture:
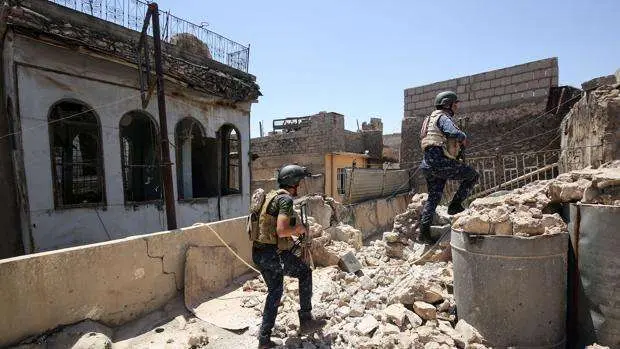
83	156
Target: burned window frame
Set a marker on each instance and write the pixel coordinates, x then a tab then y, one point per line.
54	123
224	139
156	167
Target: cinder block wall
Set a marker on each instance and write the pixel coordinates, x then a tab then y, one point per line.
492	103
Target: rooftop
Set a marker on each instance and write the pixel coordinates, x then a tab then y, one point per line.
130	14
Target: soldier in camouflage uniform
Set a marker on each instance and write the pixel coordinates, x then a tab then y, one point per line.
271	253
439	165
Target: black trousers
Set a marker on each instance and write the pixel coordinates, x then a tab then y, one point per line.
273	266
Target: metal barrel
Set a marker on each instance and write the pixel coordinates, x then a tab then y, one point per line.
512	289
595	238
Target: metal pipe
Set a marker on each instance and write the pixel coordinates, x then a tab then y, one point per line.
166	166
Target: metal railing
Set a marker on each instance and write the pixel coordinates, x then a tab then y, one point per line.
130	14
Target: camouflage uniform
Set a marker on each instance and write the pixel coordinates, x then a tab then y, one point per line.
437	168
274	264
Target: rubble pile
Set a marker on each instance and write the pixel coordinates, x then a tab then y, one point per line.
393	304
528	211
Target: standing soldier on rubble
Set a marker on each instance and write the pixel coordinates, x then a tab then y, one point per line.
271	252
441	142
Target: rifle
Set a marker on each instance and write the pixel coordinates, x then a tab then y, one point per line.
303	242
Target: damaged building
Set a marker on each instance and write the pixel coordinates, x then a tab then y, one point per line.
319	142
526	98
81	156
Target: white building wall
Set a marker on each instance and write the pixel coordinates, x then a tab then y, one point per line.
47	74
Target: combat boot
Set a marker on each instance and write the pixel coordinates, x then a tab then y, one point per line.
267	344
425	235
455	207
308	324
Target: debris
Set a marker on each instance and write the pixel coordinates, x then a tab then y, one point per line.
367	325
424	310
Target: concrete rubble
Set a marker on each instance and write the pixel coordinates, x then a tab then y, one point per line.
532	209
393	303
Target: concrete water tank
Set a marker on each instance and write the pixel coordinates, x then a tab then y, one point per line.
512	289
595	297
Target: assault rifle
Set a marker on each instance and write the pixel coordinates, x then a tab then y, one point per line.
303	242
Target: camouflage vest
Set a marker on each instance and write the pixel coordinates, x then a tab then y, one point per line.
267	224
431	135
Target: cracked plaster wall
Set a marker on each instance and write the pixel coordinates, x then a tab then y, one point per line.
112	282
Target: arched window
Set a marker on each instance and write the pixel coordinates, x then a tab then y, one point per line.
140	158
196	162
231	160
76	154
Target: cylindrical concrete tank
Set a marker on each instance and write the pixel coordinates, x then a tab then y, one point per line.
595	236
512	289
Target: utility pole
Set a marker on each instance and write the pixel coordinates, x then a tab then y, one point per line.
166	165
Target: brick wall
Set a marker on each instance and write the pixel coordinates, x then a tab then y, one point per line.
492	103
308	146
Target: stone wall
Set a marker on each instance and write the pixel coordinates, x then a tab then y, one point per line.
591	130
113	282
492	103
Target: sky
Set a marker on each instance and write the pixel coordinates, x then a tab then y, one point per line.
356	57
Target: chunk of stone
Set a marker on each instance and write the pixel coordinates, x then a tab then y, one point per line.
346	233
367	325
318	209
389	236
424	310
433	294
396	313
523	224
474	223
414	319
467	333
367	283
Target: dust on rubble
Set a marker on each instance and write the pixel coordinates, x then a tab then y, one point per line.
403	297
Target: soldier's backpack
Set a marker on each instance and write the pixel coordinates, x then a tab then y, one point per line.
256	204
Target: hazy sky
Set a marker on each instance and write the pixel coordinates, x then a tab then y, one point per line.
357	57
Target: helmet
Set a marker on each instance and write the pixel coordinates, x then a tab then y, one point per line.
445	99
291	175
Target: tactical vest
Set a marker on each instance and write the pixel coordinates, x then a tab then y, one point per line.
431	135
267	224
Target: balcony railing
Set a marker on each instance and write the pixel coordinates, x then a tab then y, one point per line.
130	14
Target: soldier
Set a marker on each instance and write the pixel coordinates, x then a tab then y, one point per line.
441	141
271	253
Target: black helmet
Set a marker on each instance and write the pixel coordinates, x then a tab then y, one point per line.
291	175
445	99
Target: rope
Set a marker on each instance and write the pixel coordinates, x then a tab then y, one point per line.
231	250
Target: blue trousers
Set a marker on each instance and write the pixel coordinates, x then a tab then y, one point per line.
438	169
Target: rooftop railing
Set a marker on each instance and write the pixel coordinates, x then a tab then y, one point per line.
130	14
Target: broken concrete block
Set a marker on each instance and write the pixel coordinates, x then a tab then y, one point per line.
346	233
349	263
366	283
367	325
474	223
414	319
424	310
468	333
396	313
318	209
523	224
389	236
433	294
